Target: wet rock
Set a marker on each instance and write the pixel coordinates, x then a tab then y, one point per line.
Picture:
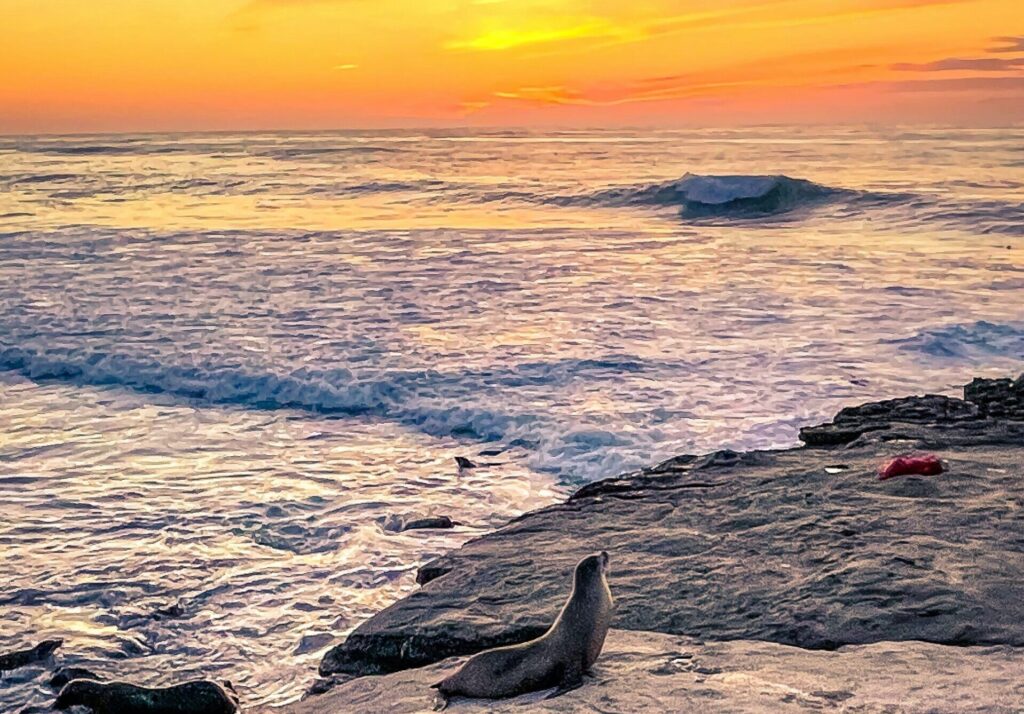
23	658
170	612
200	697
65	674
398	523
1000	398
778	546
313	642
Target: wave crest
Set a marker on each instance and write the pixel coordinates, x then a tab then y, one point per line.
726	195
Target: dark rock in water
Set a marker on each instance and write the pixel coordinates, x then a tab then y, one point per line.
429	522
463	463
65	674
776	546
313	642
398	524
22	658
201	697
172	611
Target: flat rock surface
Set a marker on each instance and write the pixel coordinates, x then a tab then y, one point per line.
652	672
800	547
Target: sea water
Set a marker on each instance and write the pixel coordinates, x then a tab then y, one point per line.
229	362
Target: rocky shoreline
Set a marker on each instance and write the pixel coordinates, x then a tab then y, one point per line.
783	580
802	555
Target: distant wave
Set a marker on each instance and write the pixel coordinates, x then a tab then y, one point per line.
315	152
371	187
98	149
15	179
984	217
735	195
975	341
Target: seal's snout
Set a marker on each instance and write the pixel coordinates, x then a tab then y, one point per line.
604	560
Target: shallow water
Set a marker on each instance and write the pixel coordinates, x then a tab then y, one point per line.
226	359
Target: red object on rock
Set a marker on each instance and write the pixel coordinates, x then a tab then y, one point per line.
926	465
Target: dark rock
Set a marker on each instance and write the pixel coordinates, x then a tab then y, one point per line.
832	435
170	612
65	674
326	684
397	524
776	546
22	658
997	397
428	522
200	697
463	463
853	422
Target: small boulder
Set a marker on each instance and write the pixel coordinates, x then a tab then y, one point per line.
199	697
398	523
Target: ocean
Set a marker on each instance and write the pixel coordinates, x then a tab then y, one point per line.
229	362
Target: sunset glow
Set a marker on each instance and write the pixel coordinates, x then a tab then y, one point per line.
85	65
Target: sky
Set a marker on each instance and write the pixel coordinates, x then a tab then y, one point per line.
170	65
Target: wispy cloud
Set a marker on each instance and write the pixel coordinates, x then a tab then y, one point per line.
834	69
961	84
344	67
1010	44
961	64
547	95
509	38
602	31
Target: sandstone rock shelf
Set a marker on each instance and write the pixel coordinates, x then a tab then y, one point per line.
803	547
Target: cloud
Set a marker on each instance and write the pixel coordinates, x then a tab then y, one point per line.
507	39
547	95
962	84
346	66
1011	44
960	64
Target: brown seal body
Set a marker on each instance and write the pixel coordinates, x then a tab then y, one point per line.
200	697
559	657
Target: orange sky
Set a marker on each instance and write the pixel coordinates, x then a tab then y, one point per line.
112	65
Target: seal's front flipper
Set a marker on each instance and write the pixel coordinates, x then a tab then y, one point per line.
563	688
572	679
440	701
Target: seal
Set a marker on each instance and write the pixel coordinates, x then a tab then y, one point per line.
22	658
199	697
559	657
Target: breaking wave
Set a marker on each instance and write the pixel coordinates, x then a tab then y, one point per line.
736	195
441	404
979	341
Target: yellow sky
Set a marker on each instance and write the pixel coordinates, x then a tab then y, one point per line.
107	65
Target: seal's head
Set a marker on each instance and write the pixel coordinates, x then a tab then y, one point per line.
591	567
78	692
46	648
